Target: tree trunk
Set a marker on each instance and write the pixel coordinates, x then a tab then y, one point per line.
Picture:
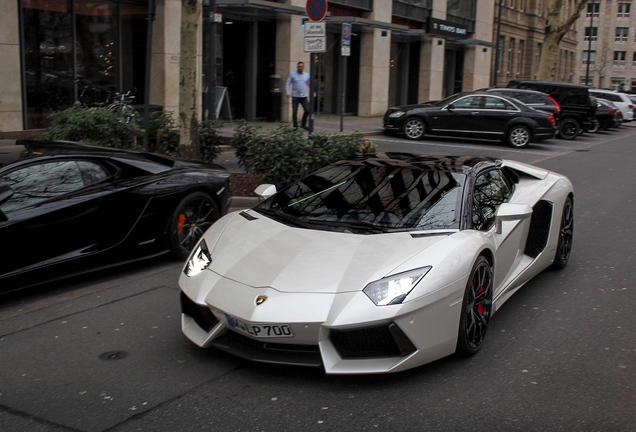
549	57
556	26
188	116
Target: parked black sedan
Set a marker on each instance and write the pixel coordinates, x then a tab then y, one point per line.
607	116
66	208
473	115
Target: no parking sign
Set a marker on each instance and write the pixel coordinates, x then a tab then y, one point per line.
316	9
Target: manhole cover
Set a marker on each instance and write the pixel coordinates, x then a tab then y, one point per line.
113	355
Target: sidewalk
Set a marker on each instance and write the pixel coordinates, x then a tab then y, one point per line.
322	123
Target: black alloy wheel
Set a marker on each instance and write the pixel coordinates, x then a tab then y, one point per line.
192	217
518	136
569	129
566	235
414	128
476	308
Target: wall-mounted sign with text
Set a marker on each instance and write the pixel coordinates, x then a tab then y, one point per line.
446	28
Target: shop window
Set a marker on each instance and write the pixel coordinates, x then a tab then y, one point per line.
93	46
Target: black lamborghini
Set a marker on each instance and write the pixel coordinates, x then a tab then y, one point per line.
67	208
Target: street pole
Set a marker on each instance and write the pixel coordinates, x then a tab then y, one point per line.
151	19
312	86
589	48
211	94
497	46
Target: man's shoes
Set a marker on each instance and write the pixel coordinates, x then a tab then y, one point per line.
304	127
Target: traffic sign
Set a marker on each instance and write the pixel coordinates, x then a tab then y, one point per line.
315	37
345	45
316	9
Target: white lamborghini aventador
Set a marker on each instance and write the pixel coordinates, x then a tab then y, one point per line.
376	264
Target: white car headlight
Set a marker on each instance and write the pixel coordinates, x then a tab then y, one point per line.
394	289
199	260
396	114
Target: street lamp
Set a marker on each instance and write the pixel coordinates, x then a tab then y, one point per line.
589	47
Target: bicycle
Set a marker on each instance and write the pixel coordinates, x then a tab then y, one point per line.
123	102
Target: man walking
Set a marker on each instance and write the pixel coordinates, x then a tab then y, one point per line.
299	81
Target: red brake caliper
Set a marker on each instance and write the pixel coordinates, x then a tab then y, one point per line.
480	308
180	224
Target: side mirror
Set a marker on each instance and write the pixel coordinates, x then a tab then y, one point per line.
512	212
265	190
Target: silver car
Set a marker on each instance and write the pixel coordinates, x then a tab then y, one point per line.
621	100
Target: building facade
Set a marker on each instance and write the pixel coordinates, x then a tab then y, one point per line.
521	35
56	52
607	51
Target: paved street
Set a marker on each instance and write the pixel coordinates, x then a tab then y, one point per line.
105	352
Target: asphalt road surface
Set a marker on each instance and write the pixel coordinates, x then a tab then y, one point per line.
106	353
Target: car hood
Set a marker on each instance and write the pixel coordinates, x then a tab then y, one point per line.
264	253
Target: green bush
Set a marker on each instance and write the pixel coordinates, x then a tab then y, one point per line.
163	133
285	154
243	134
97	126
107	128
209	140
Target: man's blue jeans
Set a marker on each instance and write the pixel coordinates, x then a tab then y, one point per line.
303	102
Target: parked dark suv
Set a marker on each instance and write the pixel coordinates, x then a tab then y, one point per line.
577	110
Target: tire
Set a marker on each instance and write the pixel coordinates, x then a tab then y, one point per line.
569	129
566	235
519	136
192	217
414	128
596	125
476	308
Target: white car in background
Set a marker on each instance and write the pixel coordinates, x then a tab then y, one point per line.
621	100
375	264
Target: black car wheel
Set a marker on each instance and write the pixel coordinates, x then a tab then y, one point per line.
518	136
566	235
192	217
596	125
476	308
569	129
414	128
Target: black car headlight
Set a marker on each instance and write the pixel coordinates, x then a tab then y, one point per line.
396	114
199	260
394	289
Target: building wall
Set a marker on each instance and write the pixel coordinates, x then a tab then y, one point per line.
521	37
604	73
11	94
374	57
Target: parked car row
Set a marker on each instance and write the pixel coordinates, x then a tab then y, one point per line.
522	113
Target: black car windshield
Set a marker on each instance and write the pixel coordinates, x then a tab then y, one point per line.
367	197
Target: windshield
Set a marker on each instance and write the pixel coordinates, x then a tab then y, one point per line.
369	197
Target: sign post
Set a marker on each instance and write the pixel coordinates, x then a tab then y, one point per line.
345	51
315	41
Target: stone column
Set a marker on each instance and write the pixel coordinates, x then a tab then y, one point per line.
10	72
431	70
375	63
375	57
477	58
166	50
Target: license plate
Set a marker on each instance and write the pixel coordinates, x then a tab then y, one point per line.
260	330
